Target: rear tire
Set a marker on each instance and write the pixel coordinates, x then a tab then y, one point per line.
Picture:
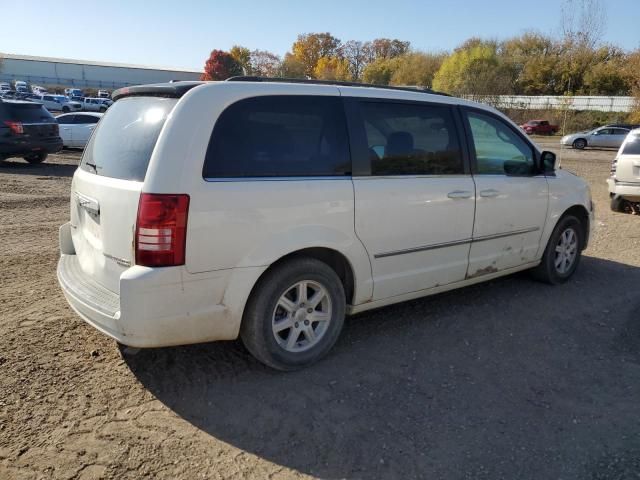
294	314
619	204
562	254
579	144
36	157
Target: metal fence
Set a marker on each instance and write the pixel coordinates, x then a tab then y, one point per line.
523	102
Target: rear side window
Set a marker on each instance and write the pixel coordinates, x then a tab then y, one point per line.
279	136
83	119
411	139
123	141
632	147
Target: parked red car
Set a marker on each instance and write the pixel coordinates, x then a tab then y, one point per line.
539	127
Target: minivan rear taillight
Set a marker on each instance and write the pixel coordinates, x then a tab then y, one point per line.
15	127
161	229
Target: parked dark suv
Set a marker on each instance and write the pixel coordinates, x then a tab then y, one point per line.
27	130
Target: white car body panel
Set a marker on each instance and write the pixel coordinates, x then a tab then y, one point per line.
237	228
76	135
433	248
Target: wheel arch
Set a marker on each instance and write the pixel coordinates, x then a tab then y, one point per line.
581	213
336	260
586	142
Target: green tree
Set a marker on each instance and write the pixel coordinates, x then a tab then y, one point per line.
311	47
416	69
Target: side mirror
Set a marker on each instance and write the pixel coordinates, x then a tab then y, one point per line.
547	162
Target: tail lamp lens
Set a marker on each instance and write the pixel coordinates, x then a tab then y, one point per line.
161	229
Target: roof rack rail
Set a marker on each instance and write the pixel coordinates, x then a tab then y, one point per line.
249	78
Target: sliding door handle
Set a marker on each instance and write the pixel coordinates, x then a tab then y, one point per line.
489	193
460	194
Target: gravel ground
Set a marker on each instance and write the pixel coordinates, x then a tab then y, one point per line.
508	379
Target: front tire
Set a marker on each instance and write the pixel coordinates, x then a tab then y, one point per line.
294	314
36	157
563	252
65	109
579	144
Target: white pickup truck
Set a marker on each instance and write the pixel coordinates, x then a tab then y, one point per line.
96	104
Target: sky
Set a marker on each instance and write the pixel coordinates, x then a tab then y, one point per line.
182	33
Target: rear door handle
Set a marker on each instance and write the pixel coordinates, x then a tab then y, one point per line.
91	205
460	194
489	193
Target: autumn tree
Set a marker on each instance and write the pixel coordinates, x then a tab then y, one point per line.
416	69
292	67
242	55
311	47
632	71
220	66
380	71
357	54
332	68
534	60
265	64
474	70
607	75
388	48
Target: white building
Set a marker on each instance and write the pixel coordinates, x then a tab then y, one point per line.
83	73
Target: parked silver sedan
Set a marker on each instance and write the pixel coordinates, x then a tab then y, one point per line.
603	137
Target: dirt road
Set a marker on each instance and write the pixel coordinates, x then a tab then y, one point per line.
510	379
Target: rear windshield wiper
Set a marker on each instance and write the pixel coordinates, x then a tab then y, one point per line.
92	165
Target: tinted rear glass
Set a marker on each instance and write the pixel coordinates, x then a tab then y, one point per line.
276	136
123	141
25	112
632	147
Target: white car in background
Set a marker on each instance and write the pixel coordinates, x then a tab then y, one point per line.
4	87
624	183
57	103
76	128
602	137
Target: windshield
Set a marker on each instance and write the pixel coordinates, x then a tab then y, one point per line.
123	142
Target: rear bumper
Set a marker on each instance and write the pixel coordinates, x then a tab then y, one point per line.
19	147
628	190
158	307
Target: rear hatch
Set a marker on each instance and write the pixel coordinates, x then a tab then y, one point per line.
30	121
627	163
106	187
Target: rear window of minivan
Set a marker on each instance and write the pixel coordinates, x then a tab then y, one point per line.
632	147
25	112
125	137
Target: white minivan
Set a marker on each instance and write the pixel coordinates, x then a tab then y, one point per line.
624	182
270	209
